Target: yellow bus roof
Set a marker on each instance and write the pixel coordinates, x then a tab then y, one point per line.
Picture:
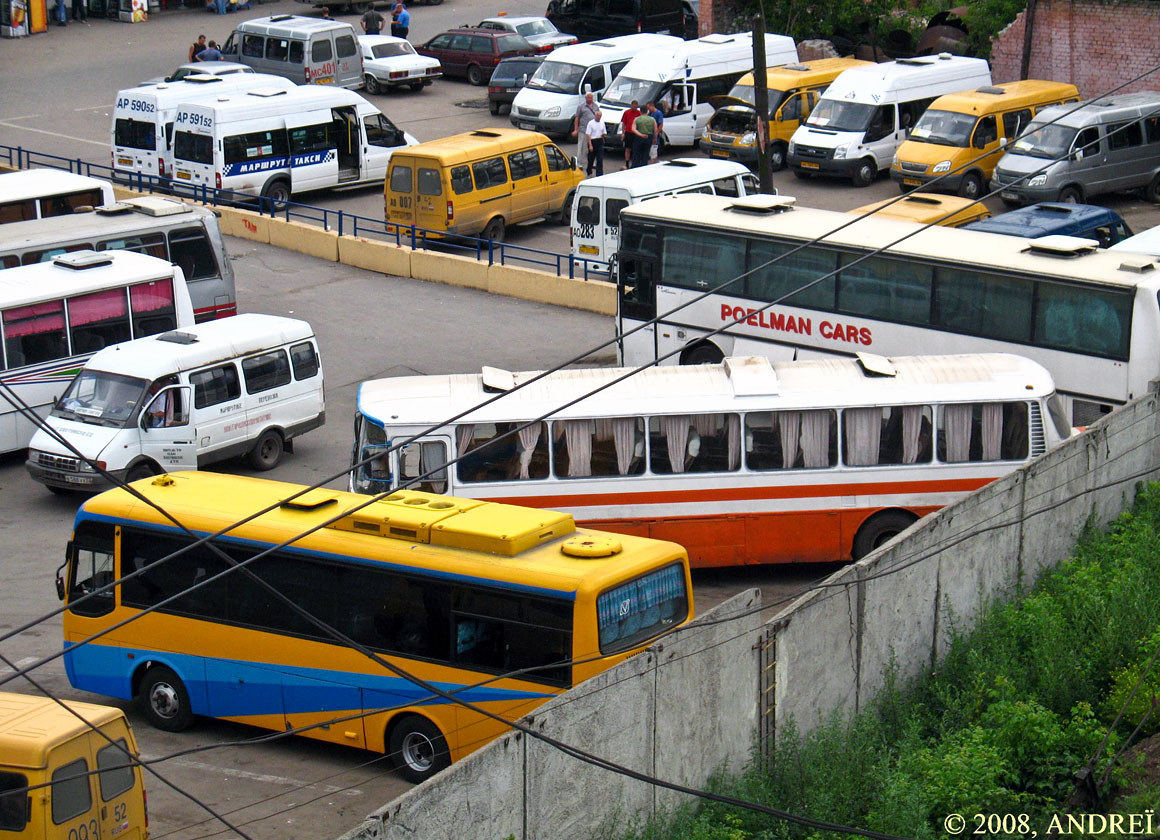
925	208
1003	97
804	73
463	148
488	541
30	726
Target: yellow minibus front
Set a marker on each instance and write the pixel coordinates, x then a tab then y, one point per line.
961	136
66	775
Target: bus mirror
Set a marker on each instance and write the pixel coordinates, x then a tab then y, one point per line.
60	571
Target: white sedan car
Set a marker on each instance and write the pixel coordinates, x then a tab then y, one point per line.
393	62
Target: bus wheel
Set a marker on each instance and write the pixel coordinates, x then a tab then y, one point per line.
972	186
865	174
164	701
278	193
475	74
880	528
372	85
267	452
494	230
1070	195
140	471
777	157
418	749
702	354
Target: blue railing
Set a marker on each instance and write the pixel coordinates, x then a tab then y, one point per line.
340	221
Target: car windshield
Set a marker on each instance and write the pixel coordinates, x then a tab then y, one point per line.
557	76
841	116
746	93
100	398
944	128
182	72
511	71
536	27
625	89
392	49
1049	141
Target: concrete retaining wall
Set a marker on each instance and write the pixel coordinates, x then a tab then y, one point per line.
696	702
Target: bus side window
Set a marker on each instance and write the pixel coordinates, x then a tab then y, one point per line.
18	211
34	333
92	568
190	250
983	432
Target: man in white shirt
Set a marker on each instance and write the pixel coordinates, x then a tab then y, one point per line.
595	131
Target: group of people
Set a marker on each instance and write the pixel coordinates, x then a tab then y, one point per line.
372	21
201	51
642	135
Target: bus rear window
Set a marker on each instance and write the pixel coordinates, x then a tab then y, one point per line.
190	249
400	179
429	182
195	148
153	308
633	612
135	134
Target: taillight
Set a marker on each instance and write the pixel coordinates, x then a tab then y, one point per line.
217	179
639	27
450	211
494	90
546	48
161	166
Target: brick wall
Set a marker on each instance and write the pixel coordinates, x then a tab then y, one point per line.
1093	44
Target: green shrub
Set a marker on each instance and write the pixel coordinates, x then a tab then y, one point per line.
1131	681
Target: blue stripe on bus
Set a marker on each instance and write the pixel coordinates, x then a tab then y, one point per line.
236	688
557	594
268	164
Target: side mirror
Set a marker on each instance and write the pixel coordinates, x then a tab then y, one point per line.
60	572
524	79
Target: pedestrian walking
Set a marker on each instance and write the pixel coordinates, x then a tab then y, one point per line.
372	22
80	10
584	113
626	121
595	131
197	47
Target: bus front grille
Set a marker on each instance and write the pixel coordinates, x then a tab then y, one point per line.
56	462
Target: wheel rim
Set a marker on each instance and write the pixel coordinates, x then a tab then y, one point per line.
972	188
164	702
865	174
776	157
418	752
267	450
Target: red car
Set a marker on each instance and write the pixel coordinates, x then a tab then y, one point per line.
474	53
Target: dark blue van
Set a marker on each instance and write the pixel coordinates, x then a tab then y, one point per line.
1058	219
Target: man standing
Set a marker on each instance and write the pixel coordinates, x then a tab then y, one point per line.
595	132
210	53
626	121
644	129
400	20
197	47
659	117
80	10
372	22
584	114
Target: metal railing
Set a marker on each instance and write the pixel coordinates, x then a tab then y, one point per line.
340	221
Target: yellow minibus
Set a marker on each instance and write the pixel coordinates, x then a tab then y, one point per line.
964	134
68	774
927	208
480	182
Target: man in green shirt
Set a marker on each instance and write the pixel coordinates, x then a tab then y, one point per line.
644	128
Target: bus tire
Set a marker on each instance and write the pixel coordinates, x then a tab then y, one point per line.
880	528
705	353
372	85
140	470
1152	191
494	230
865	174
267	451
417	748
475	75
777	152
1071	195
971	186
565	217
163	700
278	193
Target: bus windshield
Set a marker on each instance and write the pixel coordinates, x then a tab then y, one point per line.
841	116
1049	141
624	90
944	128
100	398
557	76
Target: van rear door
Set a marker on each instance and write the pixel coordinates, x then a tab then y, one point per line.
313	157
121	808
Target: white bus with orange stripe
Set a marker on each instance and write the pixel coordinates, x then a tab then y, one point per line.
746	461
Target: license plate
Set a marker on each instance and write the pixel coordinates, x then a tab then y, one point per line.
589	249
184	176
1007	195
912	182
125	161
719	153
324	81
78	479
528	126
808	165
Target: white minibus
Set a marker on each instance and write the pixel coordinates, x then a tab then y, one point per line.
596	208
548	102
54	315
305	50
1145	242
182	399
142	131
867	112
186	235
276	143
40	193
680	80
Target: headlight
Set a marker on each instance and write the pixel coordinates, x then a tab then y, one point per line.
840	152
942	166
1038	181
894	160
749	138
554	111
792	147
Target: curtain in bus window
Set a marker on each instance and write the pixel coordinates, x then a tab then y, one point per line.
992	431
789	424
98	320
34	333
912	417
816	438
578	435
701	259
863	433
529	436
1092	321
733	440
626	435
892	290
986	305
715	443
781	278
153	308
463	435
675	430
957	430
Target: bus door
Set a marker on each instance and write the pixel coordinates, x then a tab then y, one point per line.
380	138
167	435
346	131
636	286
70	810
424	463
313	158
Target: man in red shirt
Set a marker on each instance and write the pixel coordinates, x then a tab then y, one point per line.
626	121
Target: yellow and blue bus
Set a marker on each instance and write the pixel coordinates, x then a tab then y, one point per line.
456	592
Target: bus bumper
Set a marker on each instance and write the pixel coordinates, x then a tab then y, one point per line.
82	482
843	168
912	180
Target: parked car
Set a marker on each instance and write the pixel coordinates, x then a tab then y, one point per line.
509	77
392	62
474	53
208	68
540	32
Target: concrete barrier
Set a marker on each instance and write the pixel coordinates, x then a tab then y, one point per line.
449	269
515	281
245	225
305	239
384	257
